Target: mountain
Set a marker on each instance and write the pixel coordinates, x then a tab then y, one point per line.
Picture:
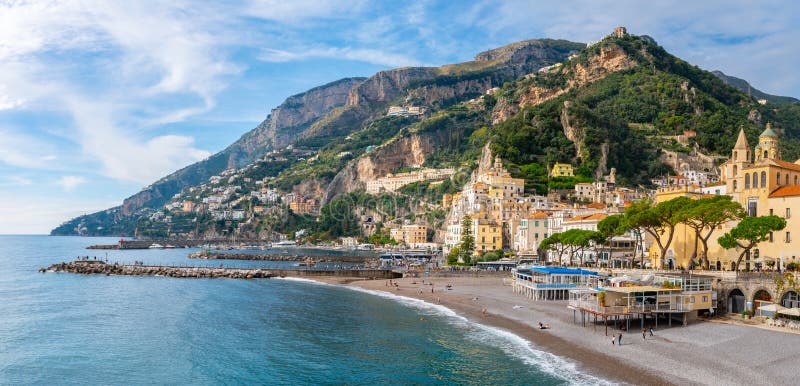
317	116
745	87
622	103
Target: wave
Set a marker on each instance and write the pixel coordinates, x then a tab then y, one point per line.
510	343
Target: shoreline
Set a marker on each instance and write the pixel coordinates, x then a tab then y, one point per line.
586	361
701	353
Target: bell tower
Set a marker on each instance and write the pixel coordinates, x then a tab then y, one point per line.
767	147
740	159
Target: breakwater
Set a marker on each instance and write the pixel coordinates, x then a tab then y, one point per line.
96	267
273	257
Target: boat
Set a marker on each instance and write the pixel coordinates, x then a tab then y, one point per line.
285	243
169	246
156	246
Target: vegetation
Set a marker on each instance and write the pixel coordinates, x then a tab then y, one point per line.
706	215
467	245
749	232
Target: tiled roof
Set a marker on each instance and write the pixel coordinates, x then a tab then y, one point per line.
786	191
787	165
591	217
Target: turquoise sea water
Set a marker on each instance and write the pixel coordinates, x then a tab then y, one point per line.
71	329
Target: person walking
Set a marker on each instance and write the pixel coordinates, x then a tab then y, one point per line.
651	331
613	339
644	333
619	339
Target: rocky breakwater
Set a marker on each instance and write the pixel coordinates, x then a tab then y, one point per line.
368	261
93	267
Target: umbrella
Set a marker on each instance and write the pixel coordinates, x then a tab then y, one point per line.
772	308
790	311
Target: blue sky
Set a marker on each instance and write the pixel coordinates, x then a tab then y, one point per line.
99	99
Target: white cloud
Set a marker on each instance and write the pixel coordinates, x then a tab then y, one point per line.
373	56
69	183
24	151
302	10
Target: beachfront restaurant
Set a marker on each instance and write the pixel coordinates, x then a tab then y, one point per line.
624	303
552	283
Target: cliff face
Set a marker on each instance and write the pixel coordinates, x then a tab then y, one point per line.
405	152
386	86
284	124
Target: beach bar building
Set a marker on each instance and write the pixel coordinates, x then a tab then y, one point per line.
670	295
552	283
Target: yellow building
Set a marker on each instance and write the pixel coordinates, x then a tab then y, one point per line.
562	170
488	234
764	185
410	234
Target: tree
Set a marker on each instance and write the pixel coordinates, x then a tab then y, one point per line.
452	257
709	214
554	243
658	220
749	232
467	245
614	225
577	240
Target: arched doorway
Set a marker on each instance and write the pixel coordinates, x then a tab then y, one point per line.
736	301
761	297
790	299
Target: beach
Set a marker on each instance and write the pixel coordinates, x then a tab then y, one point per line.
700	353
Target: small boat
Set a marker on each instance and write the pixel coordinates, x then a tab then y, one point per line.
169	246
285	243
156	246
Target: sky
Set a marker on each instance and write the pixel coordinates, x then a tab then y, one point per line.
101	98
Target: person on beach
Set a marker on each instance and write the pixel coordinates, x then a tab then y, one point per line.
483	312
619	339
644	333
651	331
541	326
613	339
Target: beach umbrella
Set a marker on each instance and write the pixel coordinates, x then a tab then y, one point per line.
772	308
790	312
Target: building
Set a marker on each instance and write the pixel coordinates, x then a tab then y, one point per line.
405	111
488	234
561	170
681	296
410	234
392	182
550	283
530	233
188	206
303	207
764	185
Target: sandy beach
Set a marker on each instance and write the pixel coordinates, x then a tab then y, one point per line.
701	353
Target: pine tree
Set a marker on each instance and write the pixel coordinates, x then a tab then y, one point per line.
467	240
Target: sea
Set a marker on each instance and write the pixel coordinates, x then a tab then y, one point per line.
60	328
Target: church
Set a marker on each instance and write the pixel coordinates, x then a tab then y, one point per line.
763	184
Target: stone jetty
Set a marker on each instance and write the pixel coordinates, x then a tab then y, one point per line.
97	267
102	268
273	257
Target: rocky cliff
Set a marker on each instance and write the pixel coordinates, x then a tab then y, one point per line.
281	127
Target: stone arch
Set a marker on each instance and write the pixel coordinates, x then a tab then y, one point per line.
761	294
790	299
736	300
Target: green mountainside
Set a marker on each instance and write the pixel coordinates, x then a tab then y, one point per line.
615	104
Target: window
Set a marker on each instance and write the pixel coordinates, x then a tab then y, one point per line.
734	185
747	181
752	207
788	237
779	179
795	180
763	179
705	299
536	223
691	299
535	235
755	180
788	212
770	211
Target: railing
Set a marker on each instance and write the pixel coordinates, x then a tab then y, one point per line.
639	308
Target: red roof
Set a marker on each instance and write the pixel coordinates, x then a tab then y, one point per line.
786	191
